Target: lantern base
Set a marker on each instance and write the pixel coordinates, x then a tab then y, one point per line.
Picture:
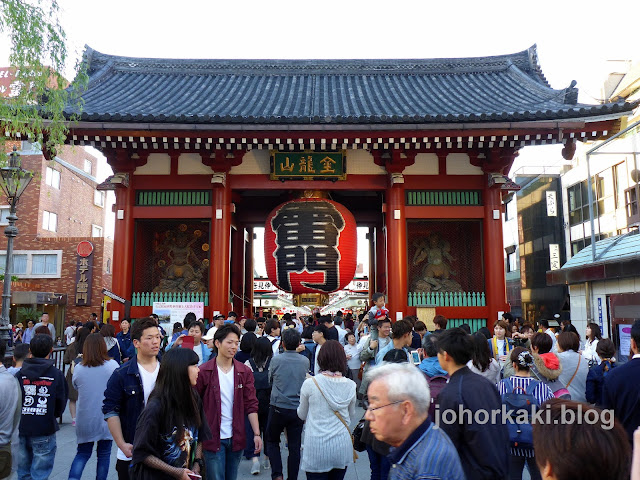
311	300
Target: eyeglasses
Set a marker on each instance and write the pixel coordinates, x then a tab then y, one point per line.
367	406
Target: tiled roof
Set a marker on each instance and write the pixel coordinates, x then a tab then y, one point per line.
278	92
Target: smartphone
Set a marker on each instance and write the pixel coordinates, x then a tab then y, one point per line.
415	357
194	476
187	342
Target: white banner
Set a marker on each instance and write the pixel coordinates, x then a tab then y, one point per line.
172	312
554	256
552	205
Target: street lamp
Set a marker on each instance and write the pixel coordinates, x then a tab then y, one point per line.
14	182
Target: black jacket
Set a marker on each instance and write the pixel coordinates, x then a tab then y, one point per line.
483	448
44	397
620	392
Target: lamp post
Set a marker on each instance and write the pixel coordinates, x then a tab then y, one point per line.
14	182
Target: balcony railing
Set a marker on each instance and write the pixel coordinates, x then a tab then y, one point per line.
447	299
146	299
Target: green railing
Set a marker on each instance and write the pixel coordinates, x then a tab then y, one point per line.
146	299
474	323
173	198
443	198
447	299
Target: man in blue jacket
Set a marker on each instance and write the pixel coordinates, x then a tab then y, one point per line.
620	390
397	410
128	390
44	396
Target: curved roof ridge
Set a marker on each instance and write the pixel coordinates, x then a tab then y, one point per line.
523	60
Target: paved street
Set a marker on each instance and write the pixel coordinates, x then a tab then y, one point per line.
66	439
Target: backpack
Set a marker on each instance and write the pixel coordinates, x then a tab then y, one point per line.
520	434
436	384
261	382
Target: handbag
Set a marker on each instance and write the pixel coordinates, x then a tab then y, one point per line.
355	455
358	444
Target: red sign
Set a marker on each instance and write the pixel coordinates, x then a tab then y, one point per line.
310	246
85	248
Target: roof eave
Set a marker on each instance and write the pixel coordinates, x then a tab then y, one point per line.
539	124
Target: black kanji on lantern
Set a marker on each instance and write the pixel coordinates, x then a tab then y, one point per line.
307	235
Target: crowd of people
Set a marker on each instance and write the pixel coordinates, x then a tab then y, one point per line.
442	404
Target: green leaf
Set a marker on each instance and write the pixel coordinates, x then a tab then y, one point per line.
33	108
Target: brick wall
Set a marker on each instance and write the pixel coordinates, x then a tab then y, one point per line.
74	205
103	252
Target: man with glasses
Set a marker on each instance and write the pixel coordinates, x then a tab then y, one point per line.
397	410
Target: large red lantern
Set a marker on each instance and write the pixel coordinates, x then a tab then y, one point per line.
310	246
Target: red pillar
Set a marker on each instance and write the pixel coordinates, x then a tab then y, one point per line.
122	283
494	274
248	271
396	225
220	249
238	271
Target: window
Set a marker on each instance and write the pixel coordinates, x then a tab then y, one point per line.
96	231
19	263
49	221
511	210
4	213
98	198
512	262
44	264
52	178
34	263
87	166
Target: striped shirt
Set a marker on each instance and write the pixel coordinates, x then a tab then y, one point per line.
541	393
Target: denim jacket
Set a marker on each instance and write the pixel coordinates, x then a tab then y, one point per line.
124	397
427	453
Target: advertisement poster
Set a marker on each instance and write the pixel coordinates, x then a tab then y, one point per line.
172	312
624	334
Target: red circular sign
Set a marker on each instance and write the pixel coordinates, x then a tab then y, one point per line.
85	248
310	246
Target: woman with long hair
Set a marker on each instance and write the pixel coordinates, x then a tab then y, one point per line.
172	427
594	335
90	378
261	355
73	356
327	404
113	347
481	361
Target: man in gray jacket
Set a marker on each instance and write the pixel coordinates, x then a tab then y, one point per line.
287	373
10	408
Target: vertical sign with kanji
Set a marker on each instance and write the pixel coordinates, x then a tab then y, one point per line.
84	274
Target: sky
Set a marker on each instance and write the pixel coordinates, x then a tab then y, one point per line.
574	38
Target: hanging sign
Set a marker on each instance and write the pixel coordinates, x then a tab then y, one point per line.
554	256
84	273
308	166
310	246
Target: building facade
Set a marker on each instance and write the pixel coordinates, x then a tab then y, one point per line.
603	278
423	146
59	209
